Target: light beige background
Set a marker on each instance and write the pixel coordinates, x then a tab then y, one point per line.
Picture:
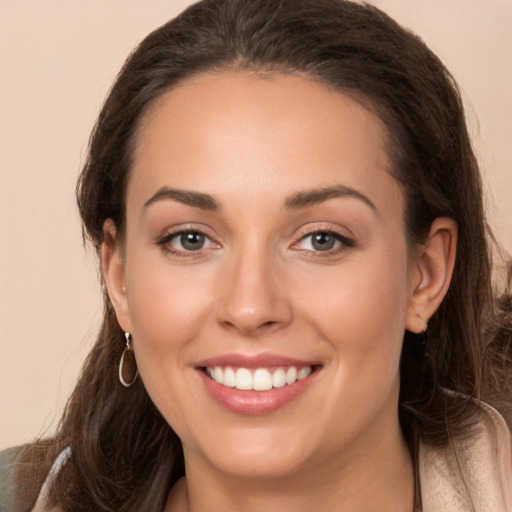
57	60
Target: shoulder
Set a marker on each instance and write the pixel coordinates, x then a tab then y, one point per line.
41	504
11	499
26	473
474	472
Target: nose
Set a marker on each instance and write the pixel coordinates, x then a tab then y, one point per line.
254	299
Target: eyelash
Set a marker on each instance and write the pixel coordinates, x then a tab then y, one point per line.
165	243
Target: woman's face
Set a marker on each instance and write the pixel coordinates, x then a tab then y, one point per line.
265	249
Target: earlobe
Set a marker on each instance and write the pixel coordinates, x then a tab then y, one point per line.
112	268
431	273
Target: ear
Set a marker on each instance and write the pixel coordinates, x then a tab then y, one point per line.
112	268
431	272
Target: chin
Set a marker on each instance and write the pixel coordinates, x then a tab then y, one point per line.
257	453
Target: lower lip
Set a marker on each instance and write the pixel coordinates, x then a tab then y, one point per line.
255	403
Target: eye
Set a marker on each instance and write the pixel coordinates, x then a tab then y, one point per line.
188	241
323	241
183	242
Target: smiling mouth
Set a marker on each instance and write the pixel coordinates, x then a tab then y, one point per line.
258	379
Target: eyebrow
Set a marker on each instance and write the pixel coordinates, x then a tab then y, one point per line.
188	197
312	197
301	199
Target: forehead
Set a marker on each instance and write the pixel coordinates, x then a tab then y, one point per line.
215	132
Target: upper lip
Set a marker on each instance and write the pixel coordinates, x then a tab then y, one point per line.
264	360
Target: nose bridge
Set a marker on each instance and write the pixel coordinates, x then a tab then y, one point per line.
253	299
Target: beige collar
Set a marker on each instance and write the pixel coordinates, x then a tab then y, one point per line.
471	475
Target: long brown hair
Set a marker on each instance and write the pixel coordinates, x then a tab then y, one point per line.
125	457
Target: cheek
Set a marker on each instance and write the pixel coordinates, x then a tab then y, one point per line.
166	304
167	308
362	321
362	314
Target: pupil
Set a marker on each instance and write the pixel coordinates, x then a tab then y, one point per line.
192	241
323	241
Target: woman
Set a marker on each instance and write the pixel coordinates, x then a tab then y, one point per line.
298	300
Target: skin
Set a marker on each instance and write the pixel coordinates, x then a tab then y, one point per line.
259	285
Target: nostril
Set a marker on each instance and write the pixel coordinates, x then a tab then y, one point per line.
248	326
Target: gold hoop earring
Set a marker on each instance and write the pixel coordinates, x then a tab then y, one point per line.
128	365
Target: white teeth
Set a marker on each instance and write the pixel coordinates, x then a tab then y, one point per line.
218	374
261	379
243	379
279	378
303	372
291	375
229	378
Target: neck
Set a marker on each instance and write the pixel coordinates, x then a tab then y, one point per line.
361	481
